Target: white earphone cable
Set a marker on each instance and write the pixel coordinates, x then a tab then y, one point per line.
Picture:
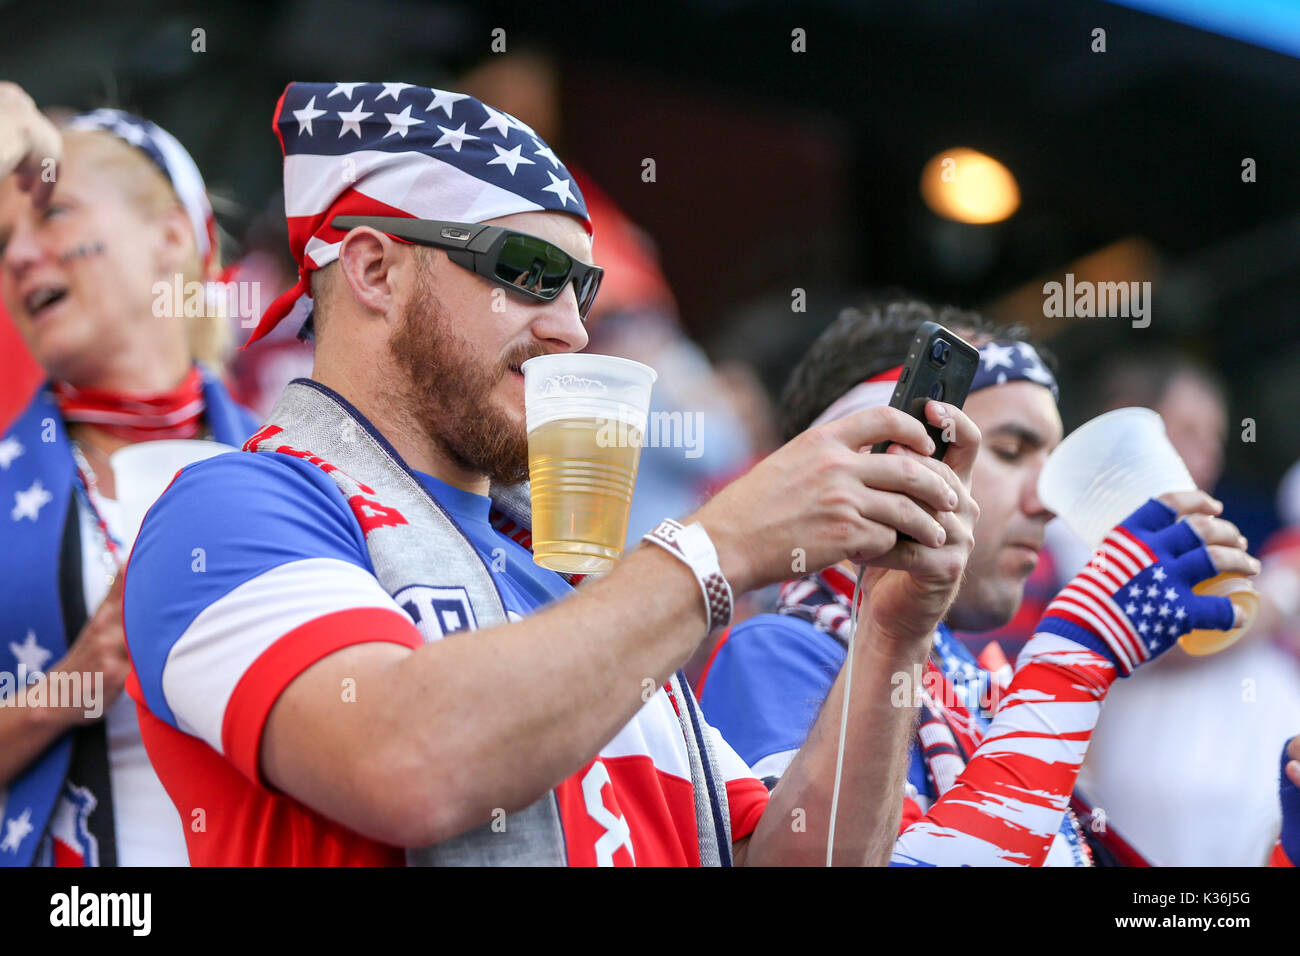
844	714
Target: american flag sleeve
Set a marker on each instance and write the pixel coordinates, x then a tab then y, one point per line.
1130	604
1006	807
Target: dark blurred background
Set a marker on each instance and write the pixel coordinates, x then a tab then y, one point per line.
779	170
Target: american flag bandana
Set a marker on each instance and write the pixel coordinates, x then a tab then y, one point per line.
170	157
1000	362
393	149
873	392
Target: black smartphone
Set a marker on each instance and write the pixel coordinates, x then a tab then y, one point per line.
940	365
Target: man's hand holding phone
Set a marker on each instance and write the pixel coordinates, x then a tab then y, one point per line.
912	585
870	487
824	497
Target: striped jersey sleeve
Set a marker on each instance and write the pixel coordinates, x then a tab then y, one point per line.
1006	807
766	684
247	571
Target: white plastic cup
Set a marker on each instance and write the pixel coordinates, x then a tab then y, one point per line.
1107	468
142	472
1104	471
586	417
580	385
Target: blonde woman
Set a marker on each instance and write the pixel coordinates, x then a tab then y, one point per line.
96	218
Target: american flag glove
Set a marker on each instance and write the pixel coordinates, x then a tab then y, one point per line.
1134	599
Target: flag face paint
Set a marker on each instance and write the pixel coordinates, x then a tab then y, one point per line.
83	251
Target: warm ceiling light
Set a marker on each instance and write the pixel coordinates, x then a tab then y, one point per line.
968	186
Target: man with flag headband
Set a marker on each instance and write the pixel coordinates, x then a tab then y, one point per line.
996	754
81	253
372	669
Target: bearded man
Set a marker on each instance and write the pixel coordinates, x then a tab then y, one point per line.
343	651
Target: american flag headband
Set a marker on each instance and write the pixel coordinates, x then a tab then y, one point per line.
1000	363
398	150
171	158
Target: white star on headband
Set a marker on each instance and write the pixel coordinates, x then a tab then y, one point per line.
1039	374
402	122
455	138
344	88
509	158
352	120
996	356
545	153
394	90
305	115
520	125
560	187
1035	370
442	100
496	120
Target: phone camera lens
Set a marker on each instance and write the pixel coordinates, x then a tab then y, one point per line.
940	352
936	391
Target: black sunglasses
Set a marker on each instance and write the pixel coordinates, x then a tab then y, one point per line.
522	263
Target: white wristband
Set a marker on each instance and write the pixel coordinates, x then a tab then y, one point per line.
693	547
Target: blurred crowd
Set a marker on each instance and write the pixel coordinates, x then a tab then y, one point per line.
1184	758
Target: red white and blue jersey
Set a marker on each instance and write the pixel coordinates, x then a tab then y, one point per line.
252	567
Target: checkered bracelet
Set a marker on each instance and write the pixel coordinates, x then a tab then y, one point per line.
692	546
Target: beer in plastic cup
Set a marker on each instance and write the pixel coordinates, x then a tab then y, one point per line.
586	418
142	472
1242	594
1104	471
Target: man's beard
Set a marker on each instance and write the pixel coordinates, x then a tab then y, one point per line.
450	400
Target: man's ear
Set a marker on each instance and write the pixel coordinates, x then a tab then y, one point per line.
368	260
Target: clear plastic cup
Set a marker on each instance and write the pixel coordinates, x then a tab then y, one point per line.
142	472
1106	468
1104	471
586	417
